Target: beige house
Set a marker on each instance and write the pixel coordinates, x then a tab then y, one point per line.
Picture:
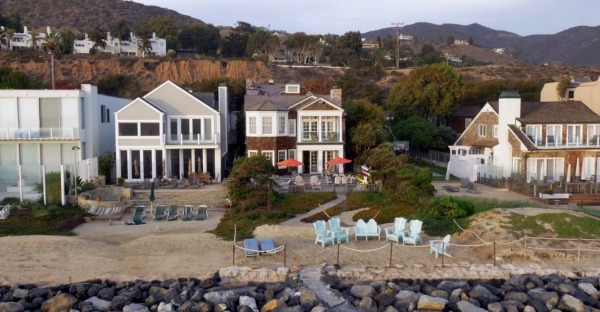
580	89
171	132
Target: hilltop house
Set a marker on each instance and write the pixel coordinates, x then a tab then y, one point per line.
25	40
52	128
580	89
171	132
285	124
530	140
131	47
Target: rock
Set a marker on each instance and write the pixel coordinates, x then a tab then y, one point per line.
440	294
118	302
495	307
106	293
99	304
20	293
512	306
567	288
226	297
549	298
466	306
345	308
431	303
135	307
188	306
390	309
362	291
538	305
308	299
483	295
570	303
271	305
221	307
248	302
59	303
204	306
449	286
165	307
588	288
173	296
319	308
245	309
39	292
289	309
11	307
529	308
517	296
367	304
385	300
406	300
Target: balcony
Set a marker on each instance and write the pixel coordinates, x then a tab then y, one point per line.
550	142
193	139
326	137
39	134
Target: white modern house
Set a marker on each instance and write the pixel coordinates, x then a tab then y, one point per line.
25	40
44	129
171	132
123	47
288	124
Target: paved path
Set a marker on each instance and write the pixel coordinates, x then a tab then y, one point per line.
296	220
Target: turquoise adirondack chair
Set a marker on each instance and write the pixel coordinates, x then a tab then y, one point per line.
340	233
413	235
440	246
394	233
366	230
324	236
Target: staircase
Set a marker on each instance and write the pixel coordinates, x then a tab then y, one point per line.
212	196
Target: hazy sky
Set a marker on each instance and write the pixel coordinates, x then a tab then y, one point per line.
523	17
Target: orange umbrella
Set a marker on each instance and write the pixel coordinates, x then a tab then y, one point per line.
290	162
338	161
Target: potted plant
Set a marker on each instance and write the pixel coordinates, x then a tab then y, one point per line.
98	198
120	181
86	196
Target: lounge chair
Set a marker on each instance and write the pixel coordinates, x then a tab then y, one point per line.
251	247
298	180
340	233
440	246
366	230
315	183
413	235
160	212
394	233
173	213
324	236
267	246
138	219
202	213
187	213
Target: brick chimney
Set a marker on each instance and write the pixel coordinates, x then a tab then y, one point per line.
336	94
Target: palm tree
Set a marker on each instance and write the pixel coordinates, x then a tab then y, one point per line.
35	37
120	31
3	37
144	45
52	44
98	37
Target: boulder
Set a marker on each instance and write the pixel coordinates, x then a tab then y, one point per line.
431	303
225	297
406	300
248	302
495	307
549	298
367	304
465	306
566	288
449	286
99	304
39	292
20	293
272	305
58	303
11	307
135	307
588	288
362	291
517	296
308	299
570	303
107	293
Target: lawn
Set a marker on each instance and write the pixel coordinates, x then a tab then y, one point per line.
440	172
561	225
40	220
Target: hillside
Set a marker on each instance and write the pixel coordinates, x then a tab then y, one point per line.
84	14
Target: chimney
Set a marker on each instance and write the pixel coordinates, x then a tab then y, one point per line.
224	117
25	29
336	94
509	110
48	30
153	35
249	84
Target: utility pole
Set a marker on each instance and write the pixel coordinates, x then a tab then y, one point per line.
397	43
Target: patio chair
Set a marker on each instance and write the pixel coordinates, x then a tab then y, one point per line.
202	213
173	213
366	230
440	246
298	180
394	233
345	180
187	213
251	247
315	183
413	235
339	233
267	246
138	218
160	212
324	236
337	180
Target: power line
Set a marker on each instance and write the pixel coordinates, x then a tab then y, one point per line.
398	25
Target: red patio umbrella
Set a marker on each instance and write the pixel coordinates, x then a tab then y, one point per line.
338	161
290	162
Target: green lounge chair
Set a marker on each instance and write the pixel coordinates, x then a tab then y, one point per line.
173	213
160	213
187	213
202	213
138	219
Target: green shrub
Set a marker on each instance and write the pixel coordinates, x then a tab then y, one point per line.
446	208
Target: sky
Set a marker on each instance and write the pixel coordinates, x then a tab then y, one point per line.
523	17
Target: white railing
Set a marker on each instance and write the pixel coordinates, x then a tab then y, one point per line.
192	139
39	133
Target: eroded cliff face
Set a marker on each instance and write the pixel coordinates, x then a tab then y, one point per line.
148	73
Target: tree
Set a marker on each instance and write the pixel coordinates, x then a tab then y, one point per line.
11	79
450	40
144	45
52	44
199	38
235	44
35	38
4	41
260	43
423	134
68	39
121	31
351	40
250	184
430	91
97	36
163	26
318	85
355	88
366	126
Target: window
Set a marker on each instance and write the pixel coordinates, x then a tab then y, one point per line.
593	135
482	130
328	129
553	135
309	128
545	169
149	129
128	129
267	125
281	155
252	125
252	153
574	134
571	94
292	154
281	125
102	113
107	115
588	168
268	155
534	133
292	88
292	125
495	131
516	165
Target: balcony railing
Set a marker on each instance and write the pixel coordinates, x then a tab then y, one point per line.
325	137
197	138
573	142
39	133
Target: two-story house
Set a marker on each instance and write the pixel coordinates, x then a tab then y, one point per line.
553	141
579	89
131	47
308	128
51	128
171	132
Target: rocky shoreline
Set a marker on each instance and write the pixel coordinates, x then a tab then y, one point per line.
291	292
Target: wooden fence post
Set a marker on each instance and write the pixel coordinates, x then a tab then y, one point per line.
494	253
578	249
391	246
337	262
284	256
233	255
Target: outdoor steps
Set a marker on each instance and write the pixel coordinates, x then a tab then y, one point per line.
194	197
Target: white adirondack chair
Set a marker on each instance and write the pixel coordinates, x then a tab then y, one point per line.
440	246
366	230
413	235
324	236
394	233
340	233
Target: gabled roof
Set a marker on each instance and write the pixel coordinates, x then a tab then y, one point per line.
270	88
522	137
145	102
312	100
557	113
206	97
271	103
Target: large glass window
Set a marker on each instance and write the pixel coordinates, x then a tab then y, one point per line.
482	130
267	125
208	129
553	135
251	125
309	128
128	129
281	125
545	169
149	129
574	134
49	113
534	133
328	129
593	134
292	124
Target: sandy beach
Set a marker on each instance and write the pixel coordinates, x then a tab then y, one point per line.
163	249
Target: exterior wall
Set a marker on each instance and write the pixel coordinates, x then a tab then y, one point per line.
588	93
509	109
548	93
138	110
124	47
471	135
270	143
175	101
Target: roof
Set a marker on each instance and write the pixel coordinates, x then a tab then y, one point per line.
270	88
485	142
271	103
206	97
557	113
467	111
522	137
510	94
